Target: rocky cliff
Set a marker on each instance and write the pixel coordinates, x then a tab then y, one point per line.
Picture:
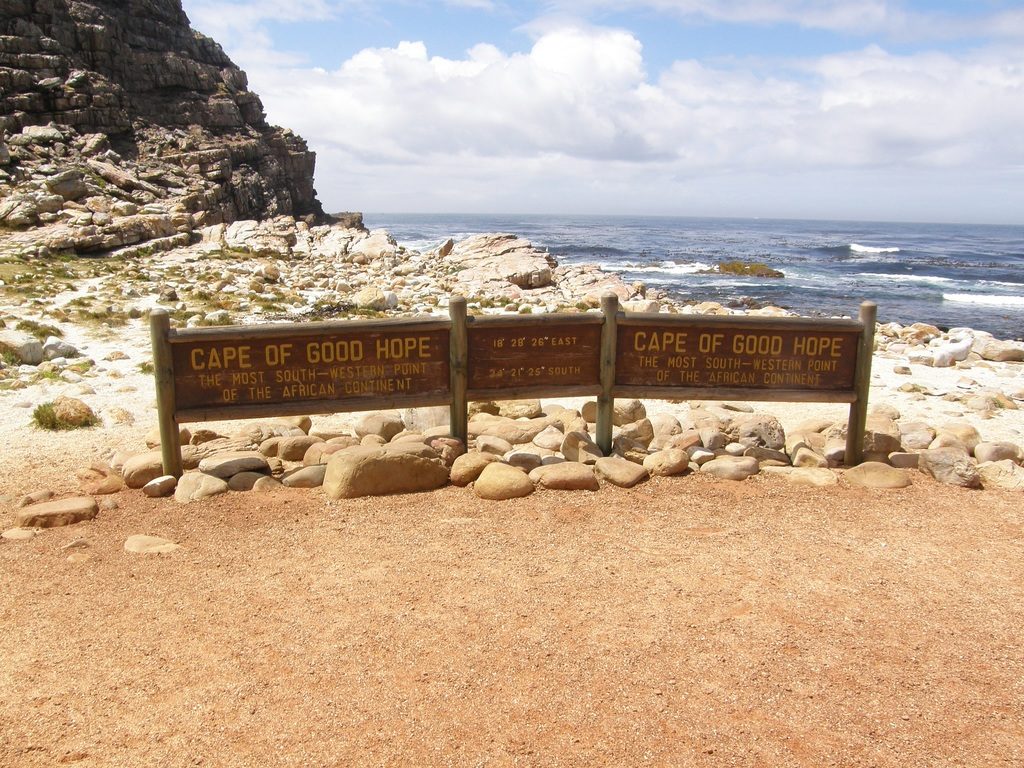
122	100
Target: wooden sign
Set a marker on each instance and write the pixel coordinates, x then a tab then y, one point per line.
244	372
660	352
551	353
317	367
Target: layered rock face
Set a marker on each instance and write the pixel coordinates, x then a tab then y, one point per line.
122	99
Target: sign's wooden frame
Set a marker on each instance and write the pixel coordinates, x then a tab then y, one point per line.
462	331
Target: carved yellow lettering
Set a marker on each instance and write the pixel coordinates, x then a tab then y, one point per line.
756	344
819	346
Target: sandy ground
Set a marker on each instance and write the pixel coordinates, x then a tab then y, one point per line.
685	622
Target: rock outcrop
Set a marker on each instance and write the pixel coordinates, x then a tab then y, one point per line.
120	124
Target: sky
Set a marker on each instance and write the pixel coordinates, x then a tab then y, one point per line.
885	110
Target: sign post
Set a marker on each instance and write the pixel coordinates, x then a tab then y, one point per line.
163	373
862	384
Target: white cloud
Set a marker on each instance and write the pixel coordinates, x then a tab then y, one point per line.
577	123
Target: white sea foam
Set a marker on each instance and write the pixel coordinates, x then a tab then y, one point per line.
665	268
858	248
1000	282
905	278
985	299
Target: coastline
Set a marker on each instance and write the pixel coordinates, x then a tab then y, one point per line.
925	374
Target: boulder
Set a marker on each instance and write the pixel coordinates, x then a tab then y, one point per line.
320	452
368	471
142	468
224	465
519	409
667	462
499	482
193	486
997	452
467	468
550	438
567	476
371	297
54	514
1004	474
881	435
305	477
245	481
54	348
732	467
805	457
515	431
966	433
630	449
684	440
619	471
915	435
767	456
626	412
641	431
385	425
491	444
758	429
1003	351
524	460
73	412
425	418
447	448
952	466
874	474
665	424
160	487
266	484
903	460
579	446
817	477
294	448
954	351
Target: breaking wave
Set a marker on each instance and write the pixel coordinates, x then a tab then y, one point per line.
858	248
905	278
985	299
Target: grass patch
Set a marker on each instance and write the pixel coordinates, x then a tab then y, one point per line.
146	366
40	331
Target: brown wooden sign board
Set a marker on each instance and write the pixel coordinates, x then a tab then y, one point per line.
322	366
655	352
551	353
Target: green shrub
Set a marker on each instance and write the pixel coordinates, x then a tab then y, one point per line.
45	417
40	330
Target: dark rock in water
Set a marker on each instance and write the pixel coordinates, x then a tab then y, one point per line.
130	85
747	269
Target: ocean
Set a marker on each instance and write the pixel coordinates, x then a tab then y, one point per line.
950	275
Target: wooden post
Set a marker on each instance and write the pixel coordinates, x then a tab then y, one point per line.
862	385
605	401
163	373
458	347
